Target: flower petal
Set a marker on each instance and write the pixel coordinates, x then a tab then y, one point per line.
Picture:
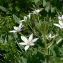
31	37
21	21
59	17
24	39
25	18
13	31
37	11
60	22
57	25
34	40
50	35
22	43
16	28
20	25
62	16
32	44
26	47
29	15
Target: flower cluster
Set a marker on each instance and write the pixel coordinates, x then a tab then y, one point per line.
30	41
19	28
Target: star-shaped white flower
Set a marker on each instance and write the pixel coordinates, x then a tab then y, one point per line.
50	36
60	25
17	29
28	42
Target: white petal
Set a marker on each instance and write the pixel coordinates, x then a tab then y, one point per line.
26	47
62	16
60	22
34	40
13	31
16	28
24	39
37	11
57	25
31	37
59	17
32	44
50	35
22	43
20	25
25	18
21	21
29	15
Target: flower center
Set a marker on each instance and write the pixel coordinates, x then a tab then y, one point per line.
28	43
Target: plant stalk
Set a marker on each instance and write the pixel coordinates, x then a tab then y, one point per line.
46	49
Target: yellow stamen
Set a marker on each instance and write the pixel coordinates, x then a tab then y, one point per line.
28	43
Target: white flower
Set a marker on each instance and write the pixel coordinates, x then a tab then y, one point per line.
50	36
28	42
36	11
25	18
17	29
60	25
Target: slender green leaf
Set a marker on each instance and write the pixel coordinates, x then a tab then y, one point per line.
16	18
3	8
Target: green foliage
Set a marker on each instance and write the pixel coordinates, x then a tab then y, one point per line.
40	24
3	8
16	19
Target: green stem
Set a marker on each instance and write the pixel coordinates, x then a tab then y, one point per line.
46	50
45	43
